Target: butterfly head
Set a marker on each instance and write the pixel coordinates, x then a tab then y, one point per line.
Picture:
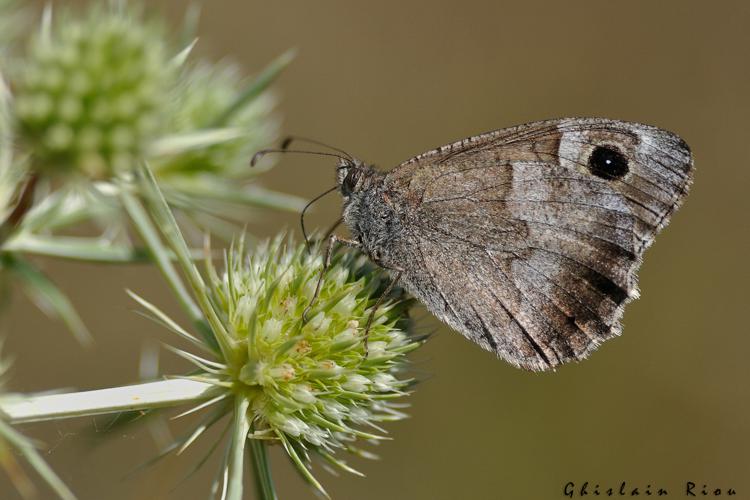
352	176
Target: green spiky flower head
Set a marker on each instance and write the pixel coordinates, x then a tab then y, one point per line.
90	90
317	385
312	385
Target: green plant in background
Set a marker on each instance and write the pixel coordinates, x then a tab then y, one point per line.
16	196
12	22
204	173
11	174
91	92
95	95
111	124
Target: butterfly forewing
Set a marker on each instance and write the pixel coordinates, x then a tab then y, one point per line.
527	240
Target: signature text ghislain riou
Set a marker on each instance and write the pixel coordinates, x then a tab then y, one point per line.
689	489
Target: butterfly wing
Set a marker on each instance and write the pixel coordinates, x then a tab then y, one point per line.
528	240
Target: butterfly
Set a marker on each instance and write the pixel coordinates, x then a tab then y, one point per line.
526	240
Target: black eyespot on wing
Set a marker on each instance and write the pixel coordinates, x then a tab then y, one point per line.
608	163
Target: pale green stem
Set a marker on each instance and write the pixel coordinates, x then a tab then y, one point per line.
76	248
236	458
164	393
176	144
262	470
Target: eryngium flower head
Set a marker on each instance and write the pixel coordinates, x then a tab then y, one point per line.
207	96
90	90
312	384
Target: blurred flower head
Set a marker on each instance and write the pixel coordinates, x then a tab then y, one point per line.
216	122
90	92
207	97
99	93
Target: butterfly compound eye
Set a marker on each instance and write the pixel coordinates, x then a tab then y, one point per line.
608	163
350	181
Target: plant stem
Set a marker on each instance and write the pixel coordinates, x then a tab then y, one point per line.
237	449
25	200
164	393
262	470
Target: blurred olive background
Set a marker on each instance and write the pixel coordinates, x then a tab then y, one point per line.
668	402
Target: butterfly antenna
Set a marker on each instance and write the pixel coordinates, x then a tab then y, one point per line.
289	139
302	215
263	152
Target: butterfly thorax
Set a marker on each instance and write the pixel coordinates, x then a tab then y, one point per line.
372	221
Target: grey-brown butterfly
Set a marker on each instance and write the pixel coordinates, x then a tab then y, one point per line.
526	240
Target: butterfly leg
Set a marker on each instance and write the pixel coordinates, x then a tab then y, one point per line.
333	227
380	300
332	240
